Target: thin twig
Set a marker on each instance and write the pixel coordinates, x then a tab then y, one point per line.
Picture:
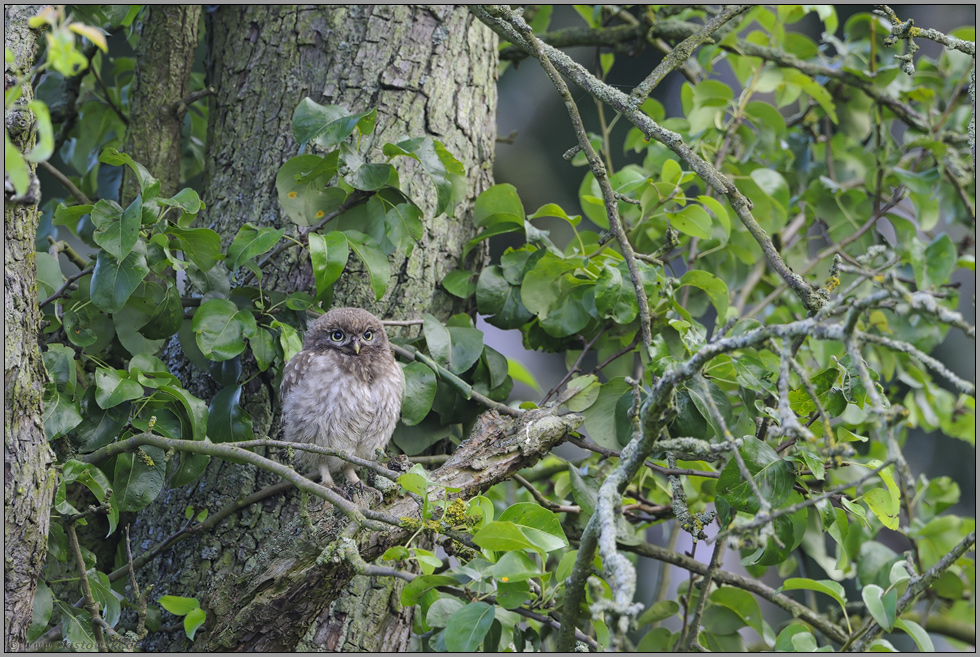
542	500
689	637
65	182
64	287
90	603
180	107
364	517
680	54
463	387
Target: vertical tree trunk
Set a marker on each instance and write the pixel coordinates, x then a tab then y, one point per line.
168	39
27	481
429	71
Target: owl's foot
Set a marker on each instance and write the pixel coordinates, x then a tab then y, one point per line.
342	492
364	490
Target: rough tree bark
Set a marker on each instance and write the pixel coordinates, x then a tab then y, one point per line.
164	56
429	71
27	482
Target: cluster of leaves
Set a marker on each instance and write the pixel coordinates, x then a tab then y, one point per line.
511	566
829	167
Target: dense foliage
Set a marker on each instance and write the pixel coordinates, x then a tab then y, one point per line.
746	314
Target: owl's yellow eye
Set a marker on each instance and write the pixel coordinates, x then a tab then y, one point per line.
368	335
337	335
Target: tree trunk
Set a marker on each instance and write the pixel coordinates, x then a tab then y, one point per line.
168	39
429	71
27	482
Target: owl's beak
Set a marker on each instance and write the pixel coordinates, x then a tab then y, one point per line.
357	346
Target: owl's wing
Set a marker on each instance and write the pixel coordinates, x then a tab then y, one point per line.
294	371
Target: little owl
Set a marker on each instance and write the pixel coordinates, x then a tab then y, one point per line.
342	392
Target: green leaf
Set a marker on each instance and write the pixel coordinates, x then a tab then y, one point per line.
437	339
919	635
220	329
742	603
188	201
496	297
167	318
881	605
227	420
99	426
15	167
498	204
511	595
658	611
518	372
302	188
404	227
113	387
933	264
250	242
178	605
884	506
515	567
149	186
553	210
692	220
420	390
467	347
326	126
117	231
721	214
814	89
445	171
374	259
607	420
796	637
201	245
584	390
77	628
442	610
113	281
714	287
59	361
468	626
192	621
328	254
44	147
363	175
41	612
615	296
459	283
194	409
773	476
659	639
413	592
138	478
523	525
92	478
263	348
825	586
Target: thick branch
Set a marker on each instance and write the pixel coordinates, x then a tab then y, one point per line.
293	579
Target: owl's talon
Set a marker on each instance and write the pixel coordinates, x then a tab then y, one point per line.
343	493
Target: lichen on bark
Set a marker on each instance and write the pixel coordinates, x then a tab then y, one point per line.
28	484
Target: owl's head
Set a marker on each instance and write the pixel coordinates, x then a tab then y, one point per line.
351	331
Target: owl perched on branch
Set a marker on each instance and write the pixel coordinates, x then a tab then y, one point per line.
342	392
